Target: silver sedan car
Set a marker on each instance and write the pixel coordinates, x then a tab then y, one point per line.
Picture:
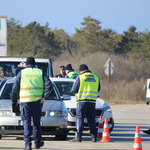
54	113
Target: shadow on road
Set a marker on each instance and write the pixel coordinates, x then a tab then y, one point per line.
126	132
121	132
9	148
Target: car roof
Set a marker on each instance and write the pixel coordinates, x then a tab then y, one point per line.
62	79
11	80
22	59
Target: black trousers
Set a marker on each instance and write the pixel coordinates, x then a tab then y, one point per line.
31	112
85	109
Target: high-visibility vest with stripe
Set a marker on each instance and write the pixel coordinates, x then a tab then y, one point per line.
31	85
73	75
88	89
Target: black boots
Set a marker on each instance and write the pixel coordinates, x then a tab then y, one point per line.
75	140
147	131
38	146
79	140
27	148
93	140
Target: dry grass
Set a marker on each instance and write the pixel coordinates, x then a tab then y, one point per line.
126	82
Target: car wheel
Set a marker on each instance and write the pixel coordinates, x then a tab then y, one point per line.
112	126
61	137
0	137
147	103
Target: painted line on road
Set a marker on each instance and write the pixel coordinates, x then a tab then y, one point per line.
115	146
118	113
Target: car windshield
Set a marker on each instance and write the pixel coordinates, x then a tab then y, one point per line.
6	94
11	69
64	87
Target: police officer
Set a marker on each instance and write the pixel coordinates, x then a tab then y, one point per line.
86	88
70	73
62	72
34	86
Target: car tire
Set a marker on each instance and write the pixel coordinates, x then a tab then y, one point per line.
112	126
147	103
61	137
0	137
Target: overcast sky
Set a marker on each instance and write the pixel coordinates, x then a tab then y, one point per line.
117	15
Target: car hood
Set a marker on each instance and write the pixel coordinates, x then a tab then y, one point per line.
101	103
52	105
72	103
48	105
5	104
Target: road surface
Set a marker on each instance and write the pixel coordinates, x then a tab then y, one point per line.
126	118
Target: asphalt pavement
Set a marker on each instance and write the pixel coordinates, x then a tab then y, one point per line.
126	118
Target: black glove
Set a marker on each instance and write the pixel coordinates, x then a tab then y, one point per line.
15	108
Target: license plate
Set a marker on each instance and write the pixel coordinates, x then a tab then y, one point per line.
20	123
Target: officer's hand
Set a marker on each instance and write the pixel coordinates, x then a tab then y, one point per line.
15	107
42	100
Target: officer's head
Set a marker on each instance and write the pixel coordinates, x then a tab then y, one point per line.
62	70
68	67
30	61
83	68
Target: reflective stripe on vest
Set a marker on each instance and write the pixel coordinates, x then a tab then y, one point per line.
31	85
88	89
73	75
32	88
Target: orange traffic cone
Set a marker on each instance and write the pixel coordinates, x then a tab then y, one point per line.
137	140
100	128
106	137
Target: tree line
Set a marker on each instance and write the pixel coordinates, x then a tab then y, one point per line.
41	41
92	45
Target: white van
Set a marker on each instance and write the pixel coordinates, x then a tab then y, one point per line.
147	92
10	66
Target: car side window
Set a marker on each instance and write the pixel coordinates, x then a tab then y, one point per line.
7	91
2	83
53	95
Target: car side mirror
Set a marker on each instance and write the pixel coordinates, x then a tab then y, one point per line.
144	88
66	97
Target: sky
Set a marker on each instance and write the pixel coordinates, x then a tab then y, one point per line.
117	15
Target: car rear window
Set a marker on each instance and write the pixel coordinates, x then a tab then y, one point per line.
11	69
64	87
6	94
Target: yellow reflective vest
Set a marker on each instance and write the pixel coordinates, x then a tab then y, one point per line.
88	89
73	75
31	85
